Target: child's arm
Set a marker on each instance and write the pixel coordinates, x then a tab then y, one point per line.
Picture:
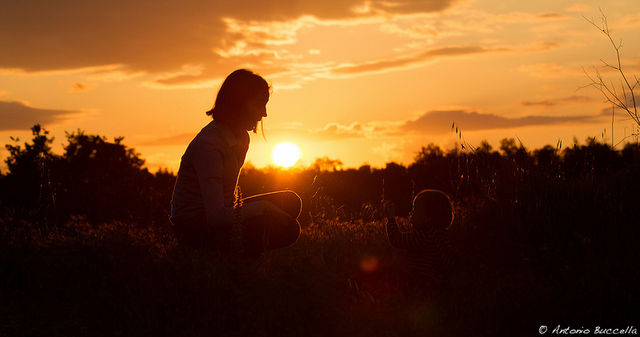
397	238
412	240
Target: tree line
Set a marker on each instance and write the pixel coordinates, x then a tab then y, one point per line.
98	180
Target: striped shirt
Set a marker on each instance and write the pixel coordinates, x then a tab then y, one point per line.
429	253
208	175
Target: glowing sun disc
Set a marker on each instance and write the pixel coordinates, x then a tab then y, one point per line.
286	154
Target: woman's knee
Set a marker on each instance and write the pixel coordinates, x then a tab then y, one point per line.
288	201
283	229
293	232
292	202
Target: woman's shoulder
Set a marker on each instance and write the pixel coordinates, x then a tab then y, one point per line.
211	134
207	139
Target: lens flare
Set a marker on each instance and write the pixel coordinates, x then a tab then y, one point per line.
286	154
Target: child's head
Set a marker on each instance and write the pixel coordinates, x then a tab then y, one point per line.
432	208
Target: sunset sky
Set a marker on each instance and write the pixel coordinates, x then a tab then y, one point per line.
360	81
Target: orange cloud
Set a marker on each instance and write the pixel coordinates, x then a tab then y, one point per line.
404	61
156	37
557	101
628	102
550	70
17	115
551	15
436	122
180	139
579	8
441	121
337	130
331	131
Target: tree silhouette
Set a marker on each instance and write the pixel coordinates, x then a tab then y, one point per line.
29	184
103	180
95	178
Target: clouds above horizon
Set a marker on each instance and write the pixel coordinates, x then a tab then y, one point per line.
195	44
152	36
385	136
629	103
435	122
309	71
550	102
441	121
179	139
399	62
17	115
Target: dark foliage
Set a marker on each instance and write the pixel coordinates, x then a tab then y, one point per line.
544	237
94	178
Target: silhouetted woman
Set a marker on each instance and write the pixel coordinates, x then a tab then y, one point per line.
204	211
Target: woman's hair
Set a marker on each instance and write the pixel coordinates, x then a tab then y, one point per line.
236	89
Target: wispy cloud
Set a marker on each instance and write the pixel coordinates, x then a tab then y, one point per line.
337	130
550	102
179	139
628	21
405	61
629	102
155	37
541	46
436	122
551	15
579	8
329	132
441	121
551	70
16	115
160	40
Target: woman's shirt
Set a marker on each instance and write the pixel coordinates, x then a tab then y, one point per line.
208	175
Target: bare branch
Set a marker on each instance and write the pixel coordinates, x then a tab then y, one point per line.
610	92
625	138
608	65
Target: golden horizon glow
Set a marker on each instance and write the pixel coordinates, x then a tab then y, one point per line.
286	154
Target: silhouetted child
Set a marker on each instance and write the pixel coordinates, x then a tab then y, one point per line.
427	242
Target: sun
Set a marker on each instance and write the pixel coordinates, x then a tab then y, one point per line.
285	154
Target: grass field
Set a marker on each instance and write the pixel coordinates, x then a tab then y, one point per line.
538	243
340	279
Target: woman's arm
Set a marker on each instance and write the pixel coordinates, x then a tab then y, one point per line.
208	163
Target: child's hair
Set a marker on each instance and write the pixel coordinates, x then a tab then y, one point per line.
436	206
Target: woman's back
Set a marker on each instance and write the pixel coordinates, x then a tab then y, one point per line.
210	164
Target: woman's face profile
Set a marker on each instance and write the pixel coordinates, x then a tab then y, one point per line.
254	109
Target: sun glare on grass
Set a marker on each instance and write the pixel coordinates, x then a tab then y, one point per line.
285	154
